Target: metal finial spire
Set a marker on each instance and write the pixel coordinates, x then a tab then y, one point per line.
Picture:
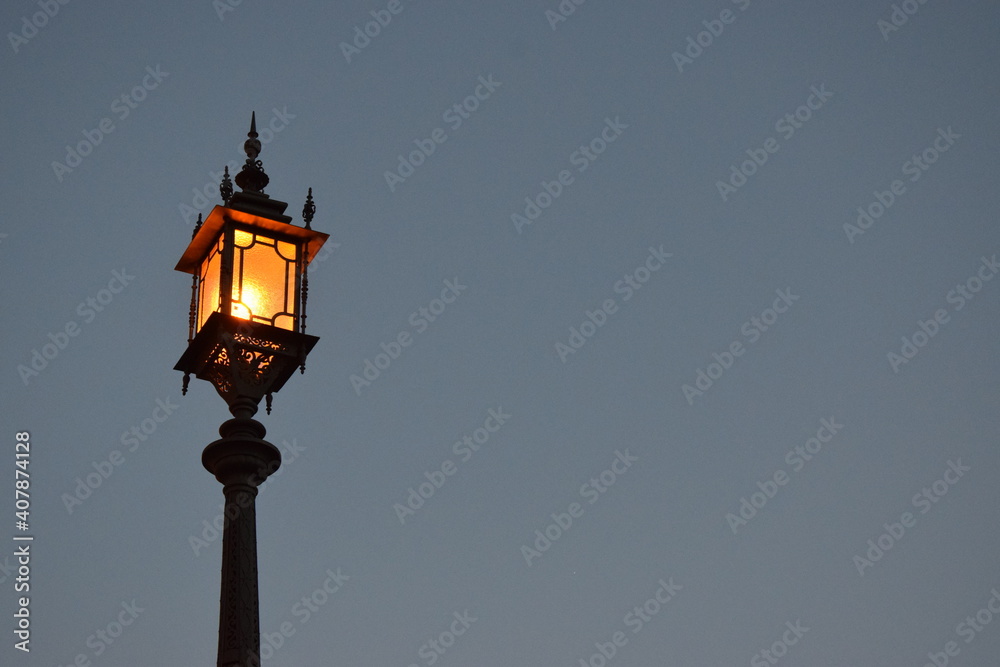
226	187
252	177
309	210
252	146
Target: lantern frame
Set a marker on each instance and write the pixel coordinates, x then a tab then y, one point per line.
221	224
246	357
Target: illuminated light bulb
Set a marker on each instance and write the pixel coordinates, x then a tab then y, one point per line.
251	302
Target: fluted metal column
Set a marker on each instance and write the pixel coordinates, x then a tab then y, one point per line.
241	460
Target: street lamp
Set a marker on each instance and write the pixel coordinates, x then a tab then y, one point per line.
246	335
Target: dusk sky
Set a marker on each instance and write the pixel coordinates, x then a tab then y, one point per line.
651	334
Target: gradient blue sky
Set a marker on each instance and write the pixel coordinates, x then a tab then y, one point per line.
351	455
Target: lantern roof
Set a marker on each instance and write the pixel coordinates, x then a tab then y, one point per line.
209	231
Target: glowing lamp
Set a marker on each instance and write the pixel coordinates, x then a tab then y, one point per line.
249	288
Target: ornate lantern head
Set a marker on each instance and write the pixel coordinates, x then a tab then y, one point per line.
249	288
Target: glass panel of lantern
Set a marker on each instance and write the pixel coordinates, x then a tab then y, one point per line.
263	279
264	287
209	278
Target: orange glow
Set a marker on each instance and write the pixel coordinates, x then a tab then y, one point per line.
210	287
263	280
266	276
250	304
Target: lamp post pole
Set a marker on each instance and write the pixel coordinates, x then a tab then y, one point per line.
241	460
